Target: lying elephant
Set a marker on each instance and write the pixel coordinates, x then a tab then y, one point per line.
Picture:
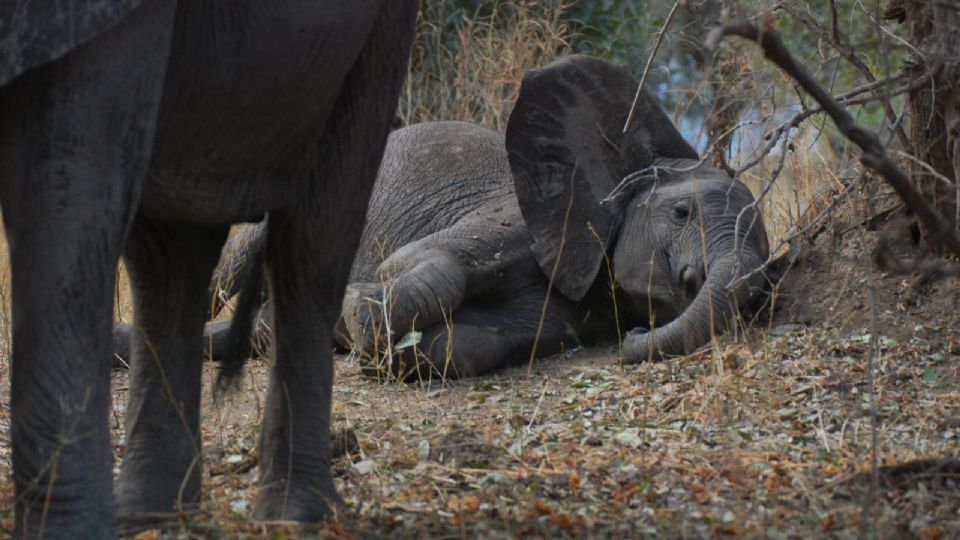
467	231
148	127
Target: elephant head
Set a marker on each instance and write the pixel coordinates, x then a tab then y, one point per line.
678	231
690	232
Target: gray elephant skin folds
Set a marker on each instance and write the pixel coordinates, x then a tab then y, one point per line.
469	235
146	128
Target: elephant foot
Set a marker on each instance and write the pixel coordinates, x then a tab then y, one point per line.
296	502
363	308
48	519
149	510
151	495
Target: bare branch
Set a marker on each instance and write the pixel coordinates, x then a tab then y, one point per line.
850	55
874	156
834	28
929	168
773	258
774	135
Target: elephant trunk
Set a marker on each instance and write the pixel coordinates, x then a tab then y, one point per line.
708	314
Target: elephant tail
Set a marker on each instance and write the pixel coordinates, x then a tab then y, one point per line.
241	255
231	341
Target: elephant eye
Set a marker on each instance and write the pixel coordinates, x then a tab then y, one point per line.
681	212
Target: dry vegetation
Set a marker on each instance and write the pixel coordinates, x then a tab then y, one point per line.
477	78
767	434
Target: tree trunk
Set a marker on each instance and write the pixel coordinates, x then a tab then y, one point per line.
933	28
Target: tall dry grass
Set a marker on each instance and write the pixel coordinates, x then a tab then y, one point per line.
468	65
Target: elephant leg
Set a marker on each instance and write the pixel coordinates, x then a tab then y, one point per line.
421	286
309	251
169	266
75	140
484	337
451	350
295	480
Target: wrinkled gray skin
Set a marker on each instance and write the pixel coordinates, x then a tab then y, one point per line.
465	229
147	127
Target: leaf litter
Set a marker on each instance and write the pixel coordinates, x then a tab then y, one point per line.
768	437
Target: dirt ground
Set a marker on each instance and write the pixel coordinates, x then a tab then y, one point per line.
761	436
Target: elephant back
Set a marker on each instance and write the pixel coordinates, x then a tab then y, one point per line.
37	32
433	175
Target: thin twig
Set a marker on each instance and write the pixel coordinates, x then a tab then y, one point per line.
850	55
929	168
845	99
772	258
775	174
874	155
646	69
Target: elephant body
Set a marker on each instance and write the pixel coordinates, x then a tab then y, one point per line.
569	230
146	128
446	244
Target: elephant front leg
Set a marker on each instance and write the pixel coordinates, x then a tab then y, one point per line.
479	338
420	287
295	482
75	139
169	267
309	251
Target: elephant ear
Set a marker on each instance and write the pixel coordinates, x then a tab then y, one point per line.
568	152
36	32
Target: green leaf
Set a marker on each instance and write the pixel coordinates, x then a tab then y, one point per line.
423	450
929	375
409	340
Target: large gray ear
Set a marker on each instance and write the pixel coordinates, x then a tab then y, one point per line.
33	33
568	152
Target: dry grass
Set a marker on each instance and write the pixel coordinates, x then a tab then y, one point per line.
469	67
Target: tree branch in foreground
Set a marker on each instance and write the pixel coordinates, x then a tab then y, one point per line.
874	156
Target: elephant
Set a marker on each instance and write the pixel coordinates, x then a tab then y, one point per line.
566	230
144	128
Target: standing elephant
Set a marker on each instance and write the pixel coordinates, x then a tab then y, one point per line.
148	127
467	231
